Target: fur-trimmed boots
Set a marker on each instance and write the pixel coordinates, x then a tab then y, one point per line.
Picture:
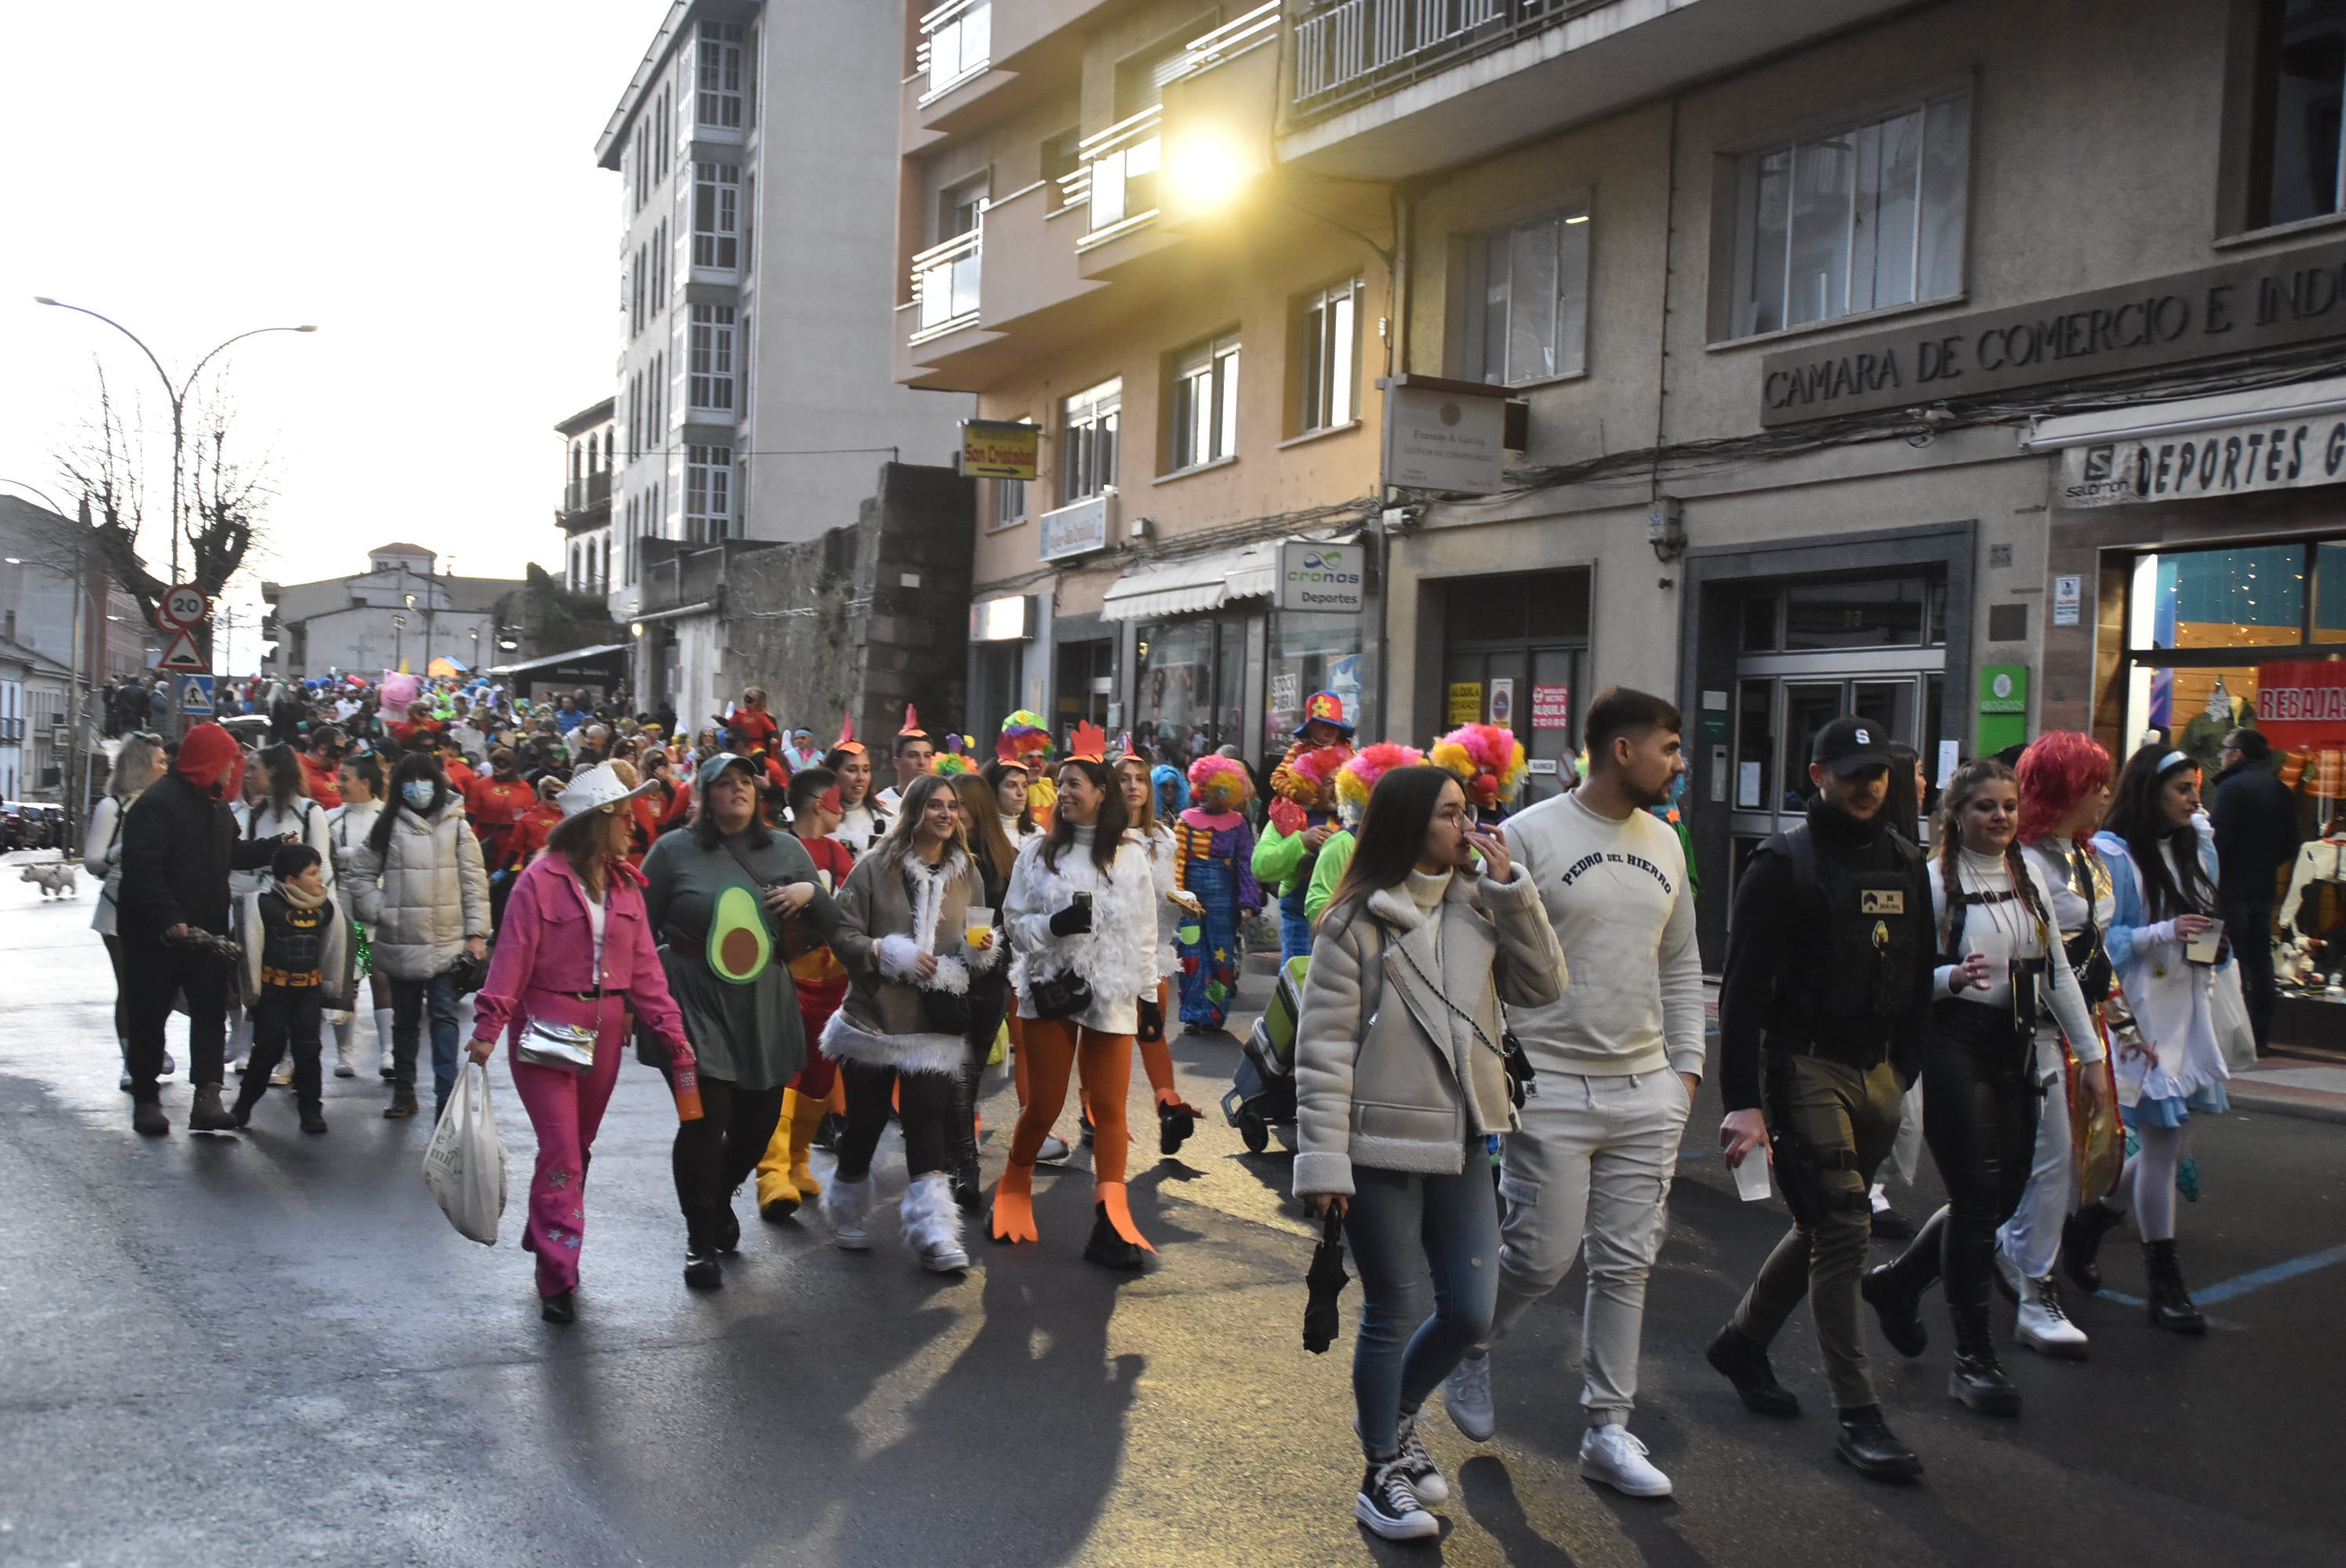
932	1222
845	1206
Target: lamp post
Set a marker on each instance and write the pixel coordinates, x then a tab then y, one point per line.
179	396
398	641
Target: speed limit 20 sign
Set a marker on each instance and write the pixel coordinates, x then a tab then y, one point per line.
183	606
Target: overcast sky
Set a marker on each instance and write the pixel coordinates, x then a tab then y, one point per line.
418	180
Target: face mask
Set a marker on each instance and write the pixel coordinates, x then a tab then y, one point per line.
417	792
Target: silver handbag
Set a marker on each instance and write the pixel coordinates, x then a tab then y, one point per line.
569	1046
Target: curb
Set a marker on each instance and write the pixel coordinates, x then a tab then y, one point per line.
2287	1100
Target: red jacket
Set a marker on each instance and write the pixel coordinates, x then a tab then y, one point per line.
323	783
530	832
494	805
547	944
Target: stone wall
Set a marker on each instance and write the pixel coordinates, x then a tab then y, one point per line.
865	618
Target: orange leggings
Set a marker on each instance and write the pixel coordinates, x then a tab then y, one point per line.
1057	1045
1156	1058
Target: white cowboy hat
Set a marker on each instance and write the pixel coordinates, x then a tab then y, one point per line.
596	787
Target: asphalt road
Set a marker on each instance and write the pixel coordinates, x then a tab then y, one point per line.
273	1350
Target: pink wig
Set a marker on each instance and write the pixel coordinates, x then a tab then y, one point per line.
1226	775
2060	769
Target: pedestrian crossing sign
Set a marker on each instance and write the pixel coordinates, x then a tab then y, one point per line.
196	695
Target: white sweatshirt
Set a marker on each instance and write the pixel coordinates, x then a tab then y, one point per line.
1617	894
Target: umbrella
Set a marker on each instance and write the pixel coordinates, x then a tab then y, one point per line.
1326	1280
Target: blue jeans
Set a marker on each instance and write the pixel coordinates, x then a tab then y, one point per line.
1294	930
1403	1228
409	998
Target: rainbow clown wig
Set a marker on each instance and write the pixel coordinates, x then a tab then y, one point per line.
1309	779
2060	769
1221	783
1488	759
1359	775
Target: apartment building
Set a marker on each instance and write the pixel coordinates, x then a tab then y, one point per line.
755	398
1092	240
589	451
1971	366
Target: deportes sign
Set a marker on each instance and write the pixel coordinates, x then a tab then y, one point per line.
1321	577
2302	705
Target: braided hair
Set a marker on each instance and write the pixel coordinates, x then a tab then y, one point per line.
1969	780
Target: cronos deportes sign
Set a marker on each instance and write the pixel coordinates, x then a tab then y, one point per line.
1321	577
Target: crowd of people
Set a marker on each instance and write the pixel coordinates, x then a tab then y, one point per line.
2043	981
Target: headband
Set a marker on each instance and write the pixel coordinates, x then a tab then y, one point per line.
2171	760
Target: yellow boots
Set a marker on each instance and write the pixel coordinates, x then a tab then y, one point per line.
784	1182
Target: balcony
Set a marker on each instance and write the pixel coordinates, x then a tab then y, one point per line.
584	497
956	44
945	285
1116	176
1387	89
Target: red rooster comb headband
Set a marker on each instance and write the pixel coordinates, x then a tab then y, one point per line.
912	724
1087	744
847	741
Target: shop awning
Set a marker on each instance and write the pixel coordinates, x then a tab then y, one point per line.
2181	416
1205	582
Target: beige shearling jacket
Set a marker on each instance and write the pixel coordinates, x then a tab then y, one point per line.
1387	1076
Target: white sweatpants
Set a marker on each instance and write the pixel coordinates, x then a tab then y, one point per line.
1591	1168
2031	1238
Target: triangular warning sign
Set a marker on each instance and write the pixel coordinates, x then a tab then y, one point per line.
182	654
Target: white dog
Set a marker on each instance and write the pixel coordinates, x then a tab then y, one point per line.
56	878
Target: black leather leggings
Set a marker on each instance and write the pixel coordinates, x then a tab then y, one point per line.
1980	1104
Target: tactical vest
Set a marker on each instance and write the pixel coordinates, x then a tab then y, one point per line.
1857	976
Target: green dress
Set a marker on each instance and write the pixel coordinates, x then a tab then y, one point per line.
751	1036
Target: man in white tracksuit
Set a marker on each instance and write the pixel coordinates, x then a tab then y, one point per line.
1617	1062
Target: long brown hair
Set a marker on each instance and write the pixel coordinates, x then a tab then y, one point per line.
891	850
1108	830
1969	780
579	839
1391	834
993	773
981	806
1144	824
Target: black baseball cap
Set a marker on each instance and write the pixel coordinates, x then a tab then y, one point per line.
1849	745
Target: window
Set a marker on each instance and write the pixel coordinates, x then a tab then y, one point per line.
2300	80
664	122
659	267
635	291
959	207
1062	157
627	558
1865	217
719	64
959	47
1527	300
1327	358
1009	502
712	356
1088	421
708	493
716	215
634	416
656	432
1204	404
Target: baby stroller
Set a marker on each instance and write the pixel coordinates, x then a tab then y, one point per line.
1263	1087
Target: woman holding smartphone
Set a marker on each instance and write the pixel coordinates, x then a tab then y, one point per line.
2165	950
1400	1080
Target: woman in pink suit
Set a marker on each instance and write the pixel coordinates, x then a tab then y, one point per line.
576	947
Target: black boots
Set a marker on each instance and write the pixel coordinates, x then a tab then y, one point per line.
701	1269
1107	1247
2171	1303
148	1120
1978	1380
207	1114
723	1227
967	1180
1743	1362
2081	1242
1897	1303
562	1309
1868	1447
1174	1125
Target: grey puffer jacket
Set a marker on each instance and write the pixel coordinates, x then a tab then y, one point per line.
1387	1074
425	894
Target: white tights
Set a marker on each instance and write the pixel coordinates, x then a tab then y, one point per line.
2146	1184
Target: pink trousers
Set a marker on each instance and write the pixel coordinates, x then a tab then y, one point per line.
566	1108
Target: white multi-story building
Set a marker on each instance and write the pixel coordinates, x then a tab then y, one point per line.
589	443
400	613
756	148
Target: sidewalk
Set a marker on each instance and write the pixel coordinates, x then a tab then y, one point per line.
2292	1086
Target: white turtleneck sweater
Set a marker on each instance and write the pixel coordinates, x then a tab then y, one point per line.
1992	910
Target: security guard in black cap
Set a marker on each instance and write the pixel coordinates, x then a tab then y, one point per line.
1821	1012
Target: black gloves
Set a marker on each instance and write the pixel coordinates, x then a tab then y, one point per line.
1073	920
1152	1019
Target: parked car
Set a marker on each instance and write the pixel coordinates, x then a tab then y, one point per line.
17	826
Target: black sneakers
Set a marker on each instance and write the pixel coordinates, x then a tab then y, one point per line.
1174	1125
562	1309
1387	1504
1743	1362
701	1270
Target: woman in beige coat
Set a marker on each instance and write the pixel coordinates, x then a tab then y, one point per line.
1399	1085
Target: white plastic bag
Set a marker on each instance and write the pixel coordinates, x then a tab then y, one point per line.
2228	1011
465	1165
1906	1149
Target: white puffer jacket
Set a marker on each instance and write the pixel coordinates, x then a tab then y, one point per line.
1117	955
347	826
422	897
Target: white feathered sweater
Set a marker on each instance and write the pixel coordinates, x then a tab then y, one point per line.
1118	956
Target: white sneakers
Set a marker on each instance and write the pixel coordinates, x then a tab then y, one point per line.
1466	1395
1609	1454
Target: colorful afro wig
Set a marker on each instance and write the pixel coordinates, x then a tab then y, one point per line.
1221	783
1026	739
1487	759
2060	769
1359	775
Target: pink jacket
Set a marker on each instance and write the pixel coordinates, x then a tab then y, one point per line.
545	943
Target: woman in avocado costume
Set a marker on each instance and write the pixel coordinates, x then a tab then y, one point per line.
717	893
900	1037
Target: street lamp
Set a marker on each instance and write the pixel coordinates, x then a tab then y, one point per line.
179	396
398	641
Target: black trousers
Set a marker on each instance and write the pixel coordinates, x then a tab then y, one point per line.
153	973
928	1101
989	1005
2249	929
121	994
285	1019
714	1155
1980	1105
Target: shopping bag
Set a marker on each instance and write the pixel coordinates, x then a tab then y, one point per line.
2228	1010
465	1165
1906	1148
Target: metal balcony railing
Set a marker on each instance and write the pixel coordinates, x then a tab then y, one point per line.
956	44
592	490
1354	49
945	284
1116	171
1232	38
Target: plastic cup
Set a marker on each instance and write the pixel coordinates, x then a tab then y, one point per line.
2202	949
1751	1176
976	925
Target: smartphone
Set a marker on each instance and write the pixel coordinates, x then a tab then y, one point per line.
1083	901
